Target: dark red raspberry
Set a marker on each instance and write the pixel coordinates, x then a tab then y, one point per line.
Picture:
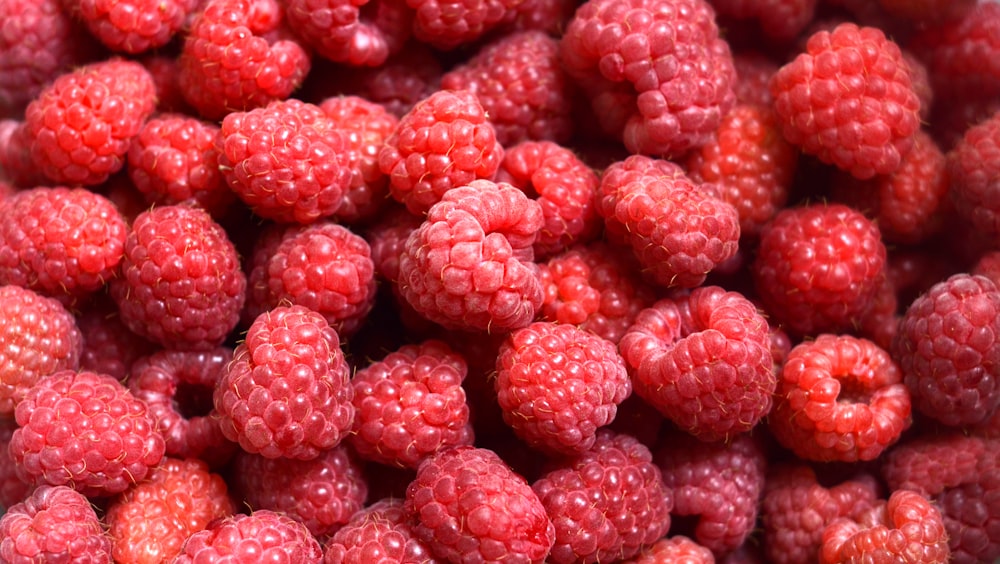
795	509
677	548
598	513
720	484
754	72
387	238
13	489
818	267
704	361
411	404
448	24
932	12
354	33
239	56
469	265
16	166
262	536
109	347
81	125
779	20
38	337
550	16
174	159
558	384
656	72
151	521
286	391
166	70
54	524
974	175
181	284
132	26
921	80
287	161
849	100
750	163
444	142
466	503
87	431
381	529
521	85
948	351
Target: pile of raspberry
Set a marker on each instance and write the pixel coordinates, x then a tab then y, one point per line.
520	281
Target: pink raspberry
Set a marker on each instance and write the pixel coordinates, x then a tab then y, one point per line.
181	284
656	72
466	503
266	535
557	385
382	528
132	26
356	33
550	16
704	361
444	142
677	548
974	174
286	391
87	431
469	265
54	524
410	405
81	125
779	20
448	24
599	515
239	56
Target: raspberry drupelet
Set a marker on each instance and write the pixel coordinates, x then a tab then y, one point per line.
382	528
267	535
974	176
53	524
132	26
363	33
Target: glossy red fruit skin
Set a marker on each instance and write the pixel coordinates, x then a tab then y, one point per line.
54	523
269	535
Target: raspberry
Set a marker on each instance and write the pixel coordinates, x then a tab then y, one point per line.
181	284
355	33
411	404
286	391
16	165
946	347
974	174
795	509
238	56
468	504
84	430
849	100
166	70
12	488
750	163
988	265
565	187
444	142
109	347
448	24
704	361
754	72
656	72
174	159
38	337
818	267
779	20
82	123
933	12
550	16
522	86
54	524
607	503
905	528
921	80
132	26
677	548
263	536
388	239
61	242
381	528
557	385
287	161
719	483
469	265
150	522
322	493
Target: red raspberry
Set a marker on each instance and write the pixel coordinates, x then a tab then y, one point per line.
754	72
87	431
921	80
557	385
181	284
354	33
16	165
109	347
13	489
132	26
382	528
656	72
38	337
82	123
818	267
165	70
600	514
988	265
974	174
849	100
238	56
411	404
795	509
522	86
905	528
444	142
750	163
779	20
565	187
322	493
447	24
469	265
839	398
287	391
550	16
467	504
933	12
720	483
262	536
174	159
287	161
704	361
54	524
388	238
946	347
61	242
150	522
